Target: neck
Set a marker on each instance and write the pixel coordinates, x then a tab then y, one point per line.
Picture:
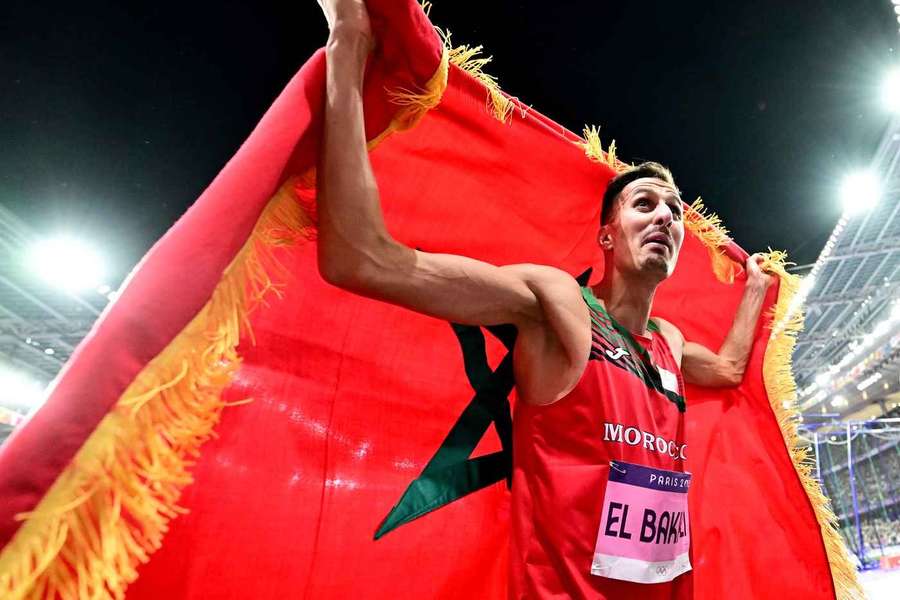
627	299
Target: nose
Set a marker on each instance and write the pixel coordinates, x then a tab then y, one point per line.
662	216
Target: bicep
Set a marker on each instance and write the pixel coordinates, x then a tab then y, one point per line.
450	287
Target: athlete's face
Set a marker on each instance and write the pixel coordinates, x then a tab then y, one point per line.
646	231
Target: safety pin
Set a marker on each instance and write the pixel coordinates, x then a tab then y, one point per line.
616	467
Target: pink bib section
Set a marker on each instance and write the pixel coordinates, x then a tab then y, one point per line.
644	533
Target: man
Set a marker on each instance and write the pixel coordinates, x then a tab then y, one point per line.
599	489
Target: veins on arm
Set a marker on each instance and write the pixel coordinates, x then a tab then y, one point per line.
726	367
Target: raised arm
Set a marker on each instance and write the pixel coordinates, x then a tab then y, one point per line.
725	368
356	252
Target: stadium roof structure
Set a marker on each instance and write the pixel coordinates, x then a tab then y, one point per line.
40	325
847	358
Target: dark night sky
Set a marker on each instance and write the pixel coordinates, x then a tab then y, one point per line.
114	118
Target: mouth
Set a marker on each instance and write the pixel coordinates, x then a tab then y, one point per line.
658	240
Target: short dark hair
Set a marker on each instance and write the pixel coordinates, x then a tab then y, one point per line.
618	183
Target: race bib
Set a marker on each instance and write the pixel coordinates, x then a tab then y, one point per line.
644	532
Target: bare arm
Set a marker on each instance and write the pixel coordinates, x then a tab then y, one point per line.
356	252
725	368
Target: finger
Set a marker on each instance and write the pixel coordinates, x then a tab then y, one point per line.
762	266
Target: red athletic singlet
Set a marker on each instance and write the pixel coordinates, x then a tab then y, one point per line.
618	411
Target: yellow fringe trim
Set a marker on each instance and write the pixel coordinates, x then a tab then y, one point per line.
594	149
782	391
109	509
707	226
415	104
469	59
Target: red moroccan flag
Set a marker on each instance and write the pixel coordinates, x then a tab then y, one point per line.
233	427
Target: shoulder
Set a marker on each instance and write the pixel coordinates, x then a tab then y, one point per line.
542	274
548	284
551	350
667	328
673	336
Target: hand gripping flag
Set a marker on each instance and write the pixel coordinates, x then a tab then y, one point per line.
233	427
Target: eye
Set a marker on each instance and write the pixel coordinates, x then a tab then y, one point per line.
676	211
642	201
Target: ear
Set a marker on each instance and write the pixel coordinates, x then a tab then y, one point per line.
604	237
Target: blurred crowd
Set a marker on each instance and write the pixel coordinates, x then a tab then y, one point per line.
876	476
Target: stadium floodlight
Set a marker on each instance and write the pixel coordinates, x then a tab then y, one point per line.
67	263
17	389
890	90
839	401
860	191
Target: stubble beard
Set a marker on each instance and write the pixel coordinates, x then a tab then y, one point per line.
657	265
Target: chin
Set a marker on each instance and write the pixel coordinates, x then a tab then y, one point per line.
656	264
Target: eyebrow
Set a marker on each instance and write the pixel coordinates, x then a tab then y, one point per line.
646	188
